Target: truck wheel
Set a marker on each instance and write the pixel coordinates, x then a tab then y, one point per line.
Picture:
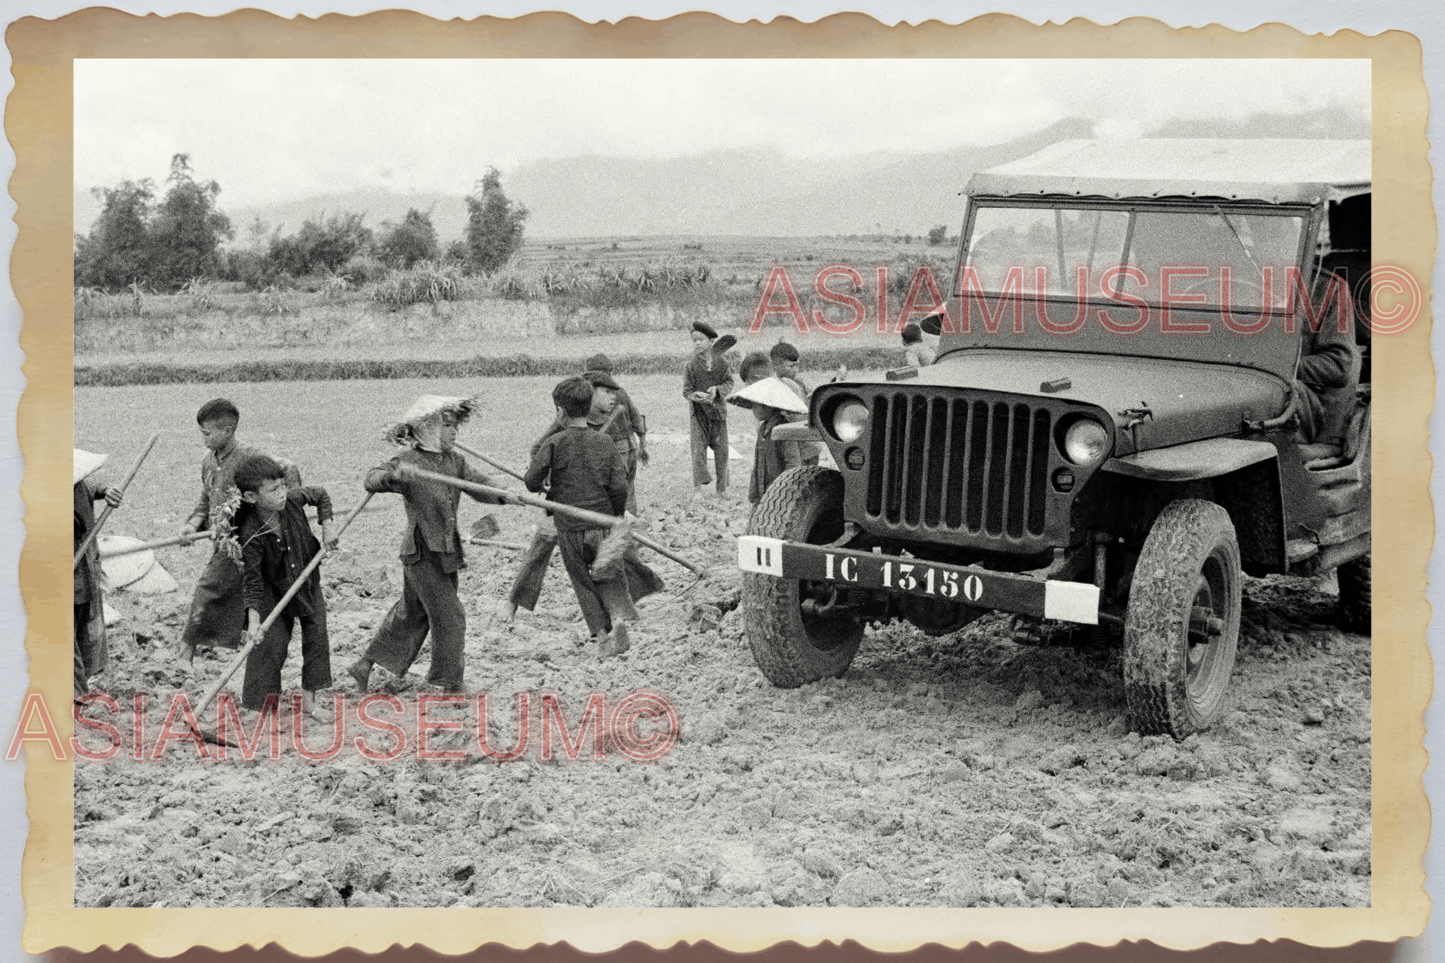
792	647
1182	624
1354	611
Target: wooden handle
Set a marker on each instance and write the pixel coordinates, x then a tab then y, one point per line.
571	511
105	513
158	543
265	626
481	457
488	542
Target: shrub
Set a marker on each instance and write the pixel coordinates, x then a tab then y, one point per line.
202	294
363	269
429	282
410	242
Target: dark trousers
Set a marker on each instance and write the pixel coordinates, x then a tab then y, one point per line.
218	612
91	655
704	433
602	602
629	457
532	568
428	604
263	665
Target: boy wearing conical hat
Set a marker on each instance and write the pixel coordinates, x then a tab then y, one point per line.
91	655
431	547
772	403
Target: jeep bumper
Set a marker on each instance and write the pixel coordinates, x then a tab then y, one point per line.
964	584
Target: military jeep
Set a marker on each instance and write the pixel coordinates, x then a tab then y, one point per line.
1111	433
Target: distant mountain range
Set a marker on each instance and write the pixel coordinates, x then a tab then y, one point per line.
759	192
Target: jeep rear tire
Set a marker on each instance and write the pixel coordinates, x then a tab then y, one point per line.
790	647
1354	579
1182	624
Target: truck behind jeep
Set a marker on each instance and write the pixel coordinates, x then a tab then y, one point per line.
1115	428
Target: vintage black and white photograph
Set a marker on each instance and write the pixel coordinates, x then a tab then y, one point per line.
720	483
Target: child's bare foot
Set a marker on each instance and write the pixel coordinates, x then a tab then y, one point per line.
509	612
315	708
360	672
616	643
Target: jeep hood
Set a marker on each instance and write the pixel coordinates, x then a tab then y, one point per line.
1185	401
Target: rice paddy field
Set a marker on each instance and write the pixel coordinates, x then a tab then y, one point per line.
958	771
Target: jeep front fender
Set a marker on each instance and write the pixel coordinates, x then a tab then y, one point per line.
1193	461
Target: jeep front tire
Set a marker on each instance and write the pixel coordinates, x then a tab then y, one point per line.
1182	625
791	646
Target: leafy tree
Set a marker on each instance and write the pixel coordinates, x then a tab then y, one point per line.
457	251
938	234
318	247
117	250
186	230
413	240
494	224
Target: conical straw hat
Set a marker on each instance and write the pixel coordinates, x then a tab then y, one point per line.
124	569
138	572
85	464
771	392
425	407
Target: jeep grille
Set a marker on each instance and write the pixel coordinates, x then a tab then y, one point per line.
959	463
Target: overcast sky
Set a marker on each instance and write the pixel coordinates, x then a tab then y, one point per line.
279	129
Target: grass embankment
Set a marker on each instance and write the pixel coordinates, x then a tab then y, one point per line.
116	374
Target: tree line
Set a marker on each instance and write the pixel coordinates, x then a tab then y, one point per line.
162	242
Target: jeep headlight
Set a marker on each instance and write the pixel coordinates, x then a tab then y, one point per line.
849	420
1085	443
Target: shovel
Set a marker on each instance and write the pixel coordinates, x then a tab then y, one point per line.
482	531
105	513
240	657
581	514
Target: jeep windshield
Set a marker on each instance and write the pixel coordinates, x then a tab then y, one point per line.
1194	280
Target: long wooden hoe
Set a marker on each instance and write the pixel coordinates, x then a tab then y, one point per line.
235	663
581	514
158	543
105	512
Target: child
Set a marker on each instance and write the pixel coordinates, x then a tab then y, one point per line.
772	402
431	548
217	616
276	544
91	654
585	470
706	383
532	567
920	344
622	424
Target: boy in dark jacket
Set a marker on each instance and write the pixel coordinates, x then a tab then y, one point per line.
431	548
623	423
706	383
585	470
217	615
276	544
532	566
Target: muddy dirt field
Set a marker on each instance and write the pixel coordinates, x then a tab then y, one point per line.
962	771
